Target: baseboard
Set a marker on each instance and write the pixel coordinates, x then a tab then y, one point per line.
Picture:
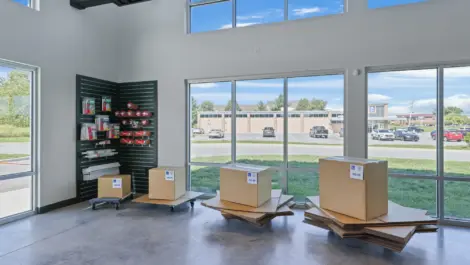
57	205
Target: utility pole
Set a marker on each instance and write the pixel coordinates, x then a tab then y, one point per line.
412	104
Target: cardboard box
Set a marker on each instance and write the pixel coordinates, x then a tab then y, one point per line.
114	186
355	187
247	185
167	183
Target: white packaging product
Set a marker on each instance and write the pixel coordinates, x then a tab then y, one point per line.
88	132
94	172
102	122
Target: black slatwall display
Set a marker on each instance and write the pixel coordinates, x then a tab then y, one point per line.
93	88
135	160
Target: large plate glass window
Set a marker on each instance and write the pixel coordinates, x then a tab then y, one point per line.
300	9
210	16
260	121
388	3
252	12
402	120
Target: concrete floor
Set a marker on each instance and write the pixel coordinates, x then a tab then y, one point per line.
142	234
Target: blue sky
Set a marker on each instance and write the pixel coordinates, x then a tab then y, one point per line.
399	89
23	2
251	12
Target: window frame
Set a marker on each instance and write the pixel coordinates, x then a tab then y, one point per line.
283	168
190	5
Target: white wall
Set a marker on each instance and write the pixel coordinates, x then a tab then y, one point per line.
430	32
63	42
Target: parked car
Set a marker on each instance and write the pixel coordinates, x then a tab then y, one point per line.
406	136
383	135
318	132
449	135
465	131
198	131
341	132
415	129
216	133
268	132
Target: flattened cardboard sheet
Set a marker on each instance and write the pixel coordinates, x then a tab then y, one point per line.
268	207
190	195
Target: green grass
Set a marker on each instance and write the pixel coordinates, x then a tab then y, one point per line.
9	156
14	139
12	134
418	146
407	192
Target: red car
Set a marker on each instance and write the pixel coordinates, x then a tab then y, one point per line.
449	135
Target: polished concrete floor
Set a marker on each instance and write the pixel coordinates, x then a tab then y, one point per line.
145	234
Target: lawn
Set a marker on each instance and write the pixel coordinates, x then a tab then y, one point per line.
12	134
10	156
408	192
419	146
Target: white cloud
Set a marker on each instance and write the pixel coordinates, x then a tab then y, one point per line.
304	11
338	83
204	85
395	110
429	105
239	25
378	98
250	17
455	72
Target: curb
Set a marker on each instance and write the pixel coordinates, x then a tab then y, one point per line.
14	159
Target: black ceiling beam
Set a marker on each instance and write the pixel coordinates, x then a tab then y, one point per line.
83	4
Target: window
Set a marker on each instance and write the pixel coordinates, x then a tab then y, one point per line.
299	9
313	136
263	96
207	125
252	12
387	3
16	140
395	98
23	2
209	17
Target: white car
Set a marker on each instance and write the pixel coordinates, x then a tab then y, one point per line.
383	135
216	134
198	131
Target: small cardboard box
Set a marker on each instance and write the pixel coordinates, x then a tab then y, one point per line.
167	183
114	186
355	187
247	185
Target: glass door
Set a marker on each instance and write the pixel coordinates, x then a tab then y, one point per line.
16	141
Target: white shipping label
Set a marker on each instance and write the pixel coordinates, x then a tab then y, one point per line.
170	175
356	172
117	183
252	178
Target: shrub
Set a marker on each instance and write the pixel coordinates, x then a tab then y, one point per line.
467	139
15	120
12	131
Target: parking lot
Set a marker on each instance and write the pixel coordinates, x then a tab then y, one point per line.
425	139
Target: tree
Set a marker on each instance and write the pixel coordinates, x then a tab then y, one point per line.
17	84
318	104
207	106
228	107
194	111
456	119
278	103
453	110
261	106
303	104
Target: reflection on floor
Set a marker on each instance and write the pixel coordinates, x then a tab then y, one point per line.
146	234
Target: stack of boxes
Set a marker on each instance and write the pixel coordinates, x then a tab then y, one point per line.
246	194
353	203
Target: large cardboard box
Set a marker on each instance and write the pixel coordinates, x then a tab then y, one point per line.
114	186
355	187
247	185
167	183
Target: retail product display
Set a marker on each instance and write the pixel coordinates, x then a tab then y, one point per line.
113	132
99	153
167	183
392	231
94	172
127	141
132	106
105	104
88	106
142	142
259	216
88	132
102	122
145	122
126	133
142	133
